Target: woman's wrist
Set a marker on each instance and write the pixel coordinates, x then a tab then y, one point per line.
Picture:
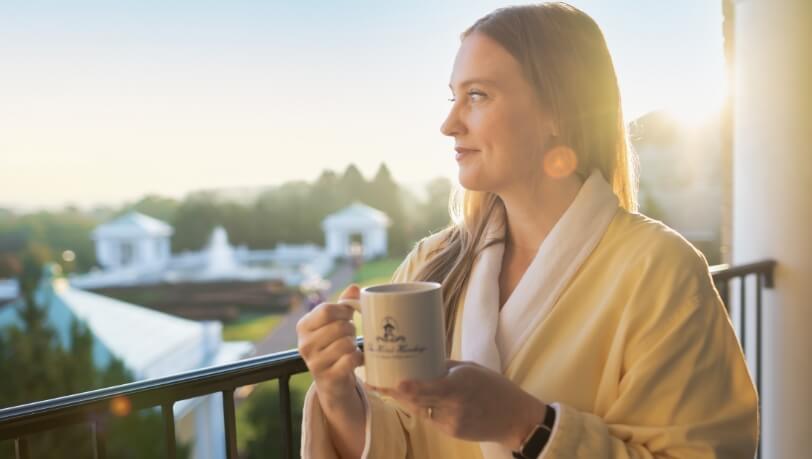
528	417
346	420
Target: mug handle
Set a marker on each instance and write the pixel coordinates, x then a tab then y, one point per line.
356	304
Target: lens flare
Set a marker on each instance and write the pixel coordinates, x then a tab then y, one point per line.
560	162
120	406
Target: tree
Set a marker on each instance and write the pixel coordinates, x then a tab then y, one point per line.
385	195
266	424
36	367
434	210
352	185
155	206
194	221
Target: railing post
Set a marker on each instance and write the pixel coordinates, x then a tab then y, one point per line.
230	419
21	448
169	429
99	440
758	348
723	293
743	310
287	421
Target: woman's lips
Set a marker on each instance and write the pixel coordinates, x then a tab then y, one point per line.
462	153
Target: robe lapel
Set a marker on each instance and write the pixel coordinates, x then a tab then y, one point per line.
491	337
559	257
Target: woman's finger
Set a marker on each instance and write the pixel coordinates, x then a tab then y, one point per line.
322	315
316	341
330	355
347	363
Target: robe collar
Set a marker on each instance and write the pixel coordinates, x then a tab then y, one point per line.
492	337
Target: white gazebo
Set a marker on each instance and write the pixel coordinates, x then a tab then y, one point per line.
132	240
356	221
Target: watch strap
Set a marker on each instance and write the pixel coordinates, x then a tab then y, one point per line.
535	443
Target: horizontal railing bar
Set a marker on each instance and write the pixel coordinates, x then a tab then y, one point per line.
727	272
71	409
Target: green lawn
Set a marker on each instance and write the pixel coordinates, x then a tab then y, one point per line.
377	272
250	327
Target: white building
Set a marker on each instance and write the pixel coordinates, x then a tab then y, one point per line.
356	221
9	290
772	202
133	239
135	250
150	344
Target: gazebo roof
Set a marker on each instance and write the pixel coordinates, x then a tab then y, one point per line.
356	214
132	225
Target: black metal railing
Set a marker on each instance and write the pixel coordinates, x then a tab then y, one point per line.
726	277
93	408
760	276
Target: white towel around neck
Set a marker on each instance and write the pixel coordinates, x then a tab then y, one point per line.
491	337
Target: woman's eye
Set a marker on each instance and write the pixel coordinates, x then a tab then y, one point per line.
476	95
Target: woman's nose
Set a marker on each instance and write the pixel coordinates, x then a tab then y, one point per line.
452	126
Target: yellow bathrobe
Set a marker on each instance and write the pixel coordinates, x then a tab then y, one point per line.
638	357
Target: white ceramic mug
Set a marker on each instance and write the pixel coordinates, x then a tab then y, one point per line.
404	335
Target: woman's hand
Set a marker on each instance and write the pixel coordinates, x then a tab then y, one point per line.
326	341
473	403
327	345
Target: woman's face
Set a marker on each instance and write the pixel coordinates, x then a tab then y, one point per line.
497	124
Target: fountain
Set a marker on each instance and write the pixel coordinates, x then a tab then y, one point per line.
220	258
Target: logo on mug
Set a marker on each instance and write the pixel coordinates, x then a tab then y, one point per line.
391	344
390	326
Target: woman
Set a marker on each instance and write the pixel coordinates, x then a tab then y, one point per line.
576	327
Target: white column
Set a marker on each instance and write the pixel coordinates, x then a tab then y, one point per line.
772	203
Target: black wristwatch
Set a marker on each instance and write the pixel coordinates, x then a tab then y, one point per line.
535	442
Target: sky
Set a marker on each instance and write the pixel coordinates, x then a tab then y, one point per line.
102	102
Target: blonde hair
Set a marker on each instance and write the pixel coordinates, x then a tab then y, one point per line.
563	54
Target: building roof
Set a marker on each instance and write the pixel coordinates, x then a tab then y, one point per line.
356	215
132	225
136	335
149	343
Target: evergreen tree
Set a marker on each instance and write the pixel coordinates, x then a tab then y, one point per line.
352	185
36	367
322	200
434	210
385	195
155	206
194	221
